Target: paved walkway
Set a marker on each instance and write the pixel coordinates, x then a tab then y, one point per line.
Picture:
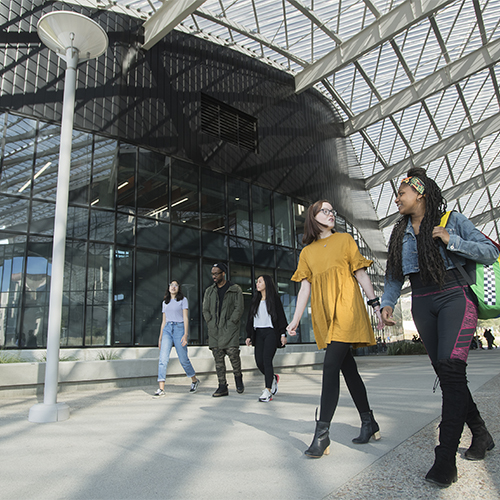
122	444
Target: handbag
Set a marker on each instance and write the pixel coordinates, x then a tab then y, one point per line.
484	280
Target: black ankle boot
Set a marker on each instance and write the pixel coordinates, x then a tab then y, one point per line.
481	438
369	428
453	381
321	442
239	384
221	391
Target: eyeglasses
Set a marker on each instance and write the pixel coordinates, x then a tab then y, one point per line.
328	211
217	274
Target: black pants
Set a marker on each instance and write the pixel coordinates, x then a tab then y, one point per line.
265	349
338	358
446	321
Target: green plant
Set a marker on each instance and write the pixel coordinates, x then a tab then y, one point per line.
43	358
405	347
11	358
107	355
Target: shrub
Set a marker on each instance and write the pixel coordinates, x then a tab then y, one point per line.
403	347
107	355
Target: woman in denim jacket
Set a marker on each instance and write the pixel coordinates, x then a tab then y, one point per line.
444	308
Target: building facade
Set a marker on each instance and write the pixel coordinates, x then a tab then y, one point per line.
183	156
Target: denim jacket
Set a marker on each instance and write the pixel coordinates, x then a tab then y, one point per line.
466	242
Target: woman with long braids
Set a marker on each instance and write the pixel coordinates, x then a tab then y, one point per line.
330	270
174	331
444	308
266	331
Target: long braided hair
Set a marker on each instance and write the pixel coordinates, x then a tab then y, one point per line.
430	261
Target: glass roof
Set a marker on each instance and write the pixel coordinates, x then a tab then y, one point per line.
415	81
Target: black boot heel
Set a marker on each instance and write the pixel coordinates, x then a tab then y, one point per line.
321	441
369	429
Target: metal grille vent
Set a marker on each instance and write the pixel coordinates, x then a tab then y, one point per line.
228	123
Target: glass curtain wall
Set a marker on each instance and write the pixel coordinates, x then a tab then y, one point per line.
137	219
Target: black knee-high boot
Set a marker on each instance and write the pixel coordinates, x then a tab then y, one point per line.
453	381
481	438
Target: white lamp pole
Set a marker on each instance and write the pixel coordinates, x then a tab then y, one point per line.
75	38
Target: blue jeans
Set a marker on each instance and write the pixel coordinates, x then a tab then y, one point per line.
172	336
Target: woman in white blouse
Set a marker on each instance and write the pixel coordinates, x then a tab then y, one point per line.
174	332
266	331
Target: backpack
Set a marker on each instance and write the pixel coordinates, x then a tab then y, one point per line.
484	281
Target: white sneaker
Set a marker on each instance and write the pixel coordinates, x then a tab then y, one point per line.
274	386
159	393
266	396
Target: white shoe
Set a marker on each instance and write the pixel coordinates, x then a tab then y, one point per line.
159	393
274	386
266	396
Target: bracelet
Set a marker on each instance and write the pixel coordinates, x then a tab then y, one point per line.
374	302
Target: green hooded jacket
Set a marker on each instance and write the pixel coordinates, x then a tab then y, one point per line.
223	332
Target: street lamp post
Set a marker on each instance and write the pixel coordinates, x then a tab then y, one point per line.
75	38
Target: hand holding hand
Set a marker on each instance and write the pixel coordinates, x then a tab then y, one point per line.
292	328
387	316
380	323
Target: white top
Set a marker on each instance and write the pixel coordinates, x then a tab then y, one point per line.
173	310
262	319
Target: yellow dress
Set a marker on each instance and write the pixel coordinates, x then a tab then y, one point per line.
338	311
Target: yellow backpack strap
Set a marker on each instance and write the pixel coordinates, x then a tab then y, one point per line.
444	219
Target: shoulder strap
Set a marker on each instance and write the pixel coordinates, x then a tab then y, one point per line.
444	219
465	276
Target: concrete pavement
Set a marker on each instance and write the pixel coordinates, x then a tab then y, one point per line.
123	444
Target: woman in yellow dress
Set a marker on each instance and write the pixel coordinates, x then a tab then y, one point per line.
330	269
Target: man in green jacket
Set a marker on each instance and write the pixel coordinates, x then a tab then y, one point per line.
222	310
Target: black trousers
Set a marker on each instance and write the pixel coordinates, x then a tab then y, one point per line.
265	349
446	321
338	358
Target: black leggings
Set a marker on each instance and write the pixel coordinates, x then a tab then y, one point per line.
338	357
265	349
446	321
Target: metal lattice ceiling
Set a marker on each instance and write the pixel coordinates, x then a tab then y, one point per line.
415	80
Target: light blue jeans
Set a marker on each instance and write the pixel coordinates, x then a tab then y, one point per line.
172	336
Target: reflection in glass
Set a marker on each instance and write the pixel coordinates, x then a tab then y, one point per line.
214	246
74	294
240	250
125	228
81	162
151	282
185	240
17	164
282	220
12	250
99	295
152	234
213	202
261	213
299	216
102	225
126	177
78	222
186	272
102	188
238	202
184	200
264	255
242	275
14	214
123	295
152	195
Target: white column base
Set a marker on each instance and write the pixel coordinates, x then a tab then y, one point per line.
43	413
